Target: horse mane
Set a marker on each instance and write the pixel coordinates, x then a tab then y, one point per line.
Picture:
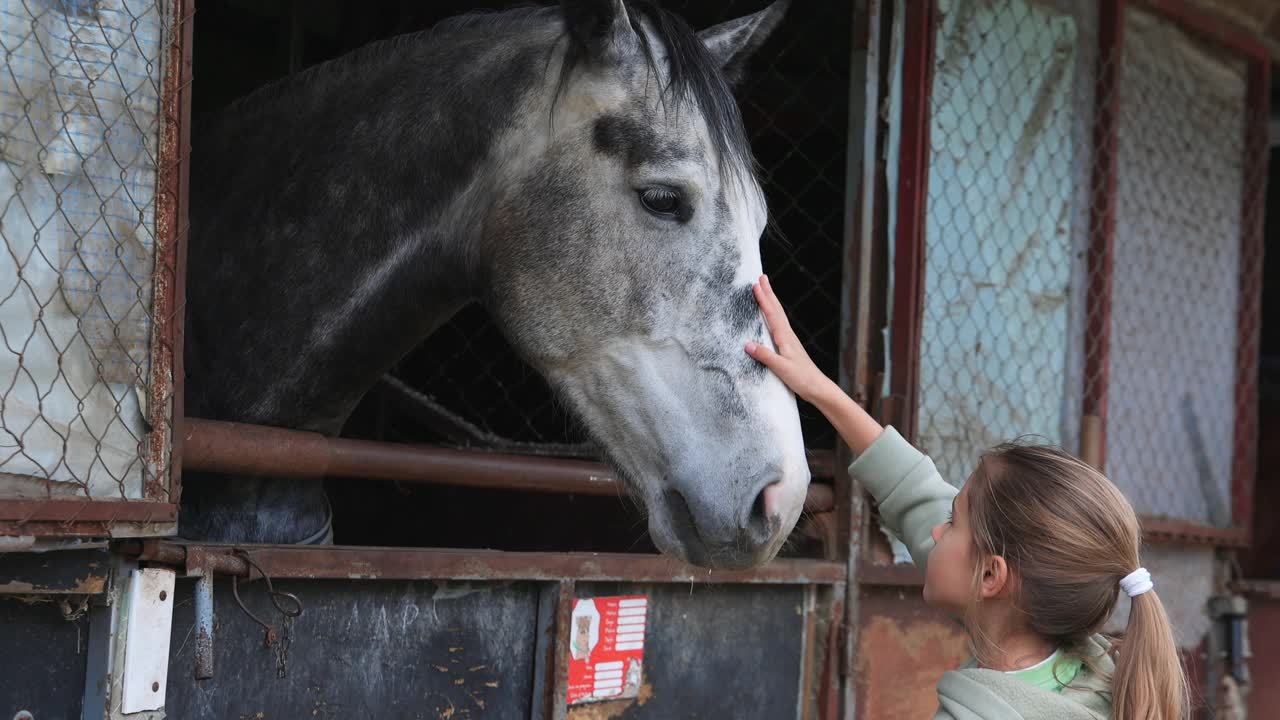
694	78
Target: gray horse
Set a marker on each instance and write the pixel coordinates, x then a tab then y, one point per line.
582	172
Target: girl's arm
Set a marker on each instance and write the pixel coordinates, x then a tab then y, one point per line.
911	495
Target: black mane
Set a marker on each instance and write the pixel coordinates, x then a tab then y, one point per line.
694	76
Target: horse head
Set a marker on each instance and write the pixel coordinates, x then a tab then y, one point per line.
619	256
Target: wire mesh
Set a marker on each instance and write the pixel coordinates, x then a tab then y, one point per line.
794	100
1176	290
1006	227
80	131
1033	324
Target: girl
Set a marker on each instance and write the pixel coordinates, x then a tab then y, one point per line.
1031	553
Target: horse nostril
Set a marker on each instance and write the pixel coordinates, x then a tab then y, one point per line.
759	526
757	509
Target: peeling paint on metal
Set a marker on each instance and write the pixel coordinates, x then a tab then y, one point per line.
608	710
903	650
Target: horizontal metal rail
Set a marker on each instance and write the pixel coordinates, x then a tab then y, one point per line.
377	563
216	446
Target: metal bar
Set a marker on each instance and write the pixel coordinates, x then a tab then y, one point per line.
1209	27
832	678
204	626
201	560
67	572
1266	589
542	703
183	226
224	447
805	702
1155	531
890	575
164	406
307	562
1165	531
45	529
72	511
558	692
1249	308
1102	226
855	310
865	280
103	660
913	200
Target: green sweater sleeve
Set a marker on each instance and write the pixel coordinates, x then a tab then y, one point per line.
912	497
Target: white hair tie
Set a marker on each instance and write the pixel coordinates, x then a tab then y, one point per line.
1136	582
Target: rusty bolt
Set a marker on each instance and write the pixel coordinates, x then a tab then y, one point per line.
155	687
164	595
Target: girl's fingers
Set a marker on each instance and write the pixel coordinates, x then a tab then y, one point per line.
763	355
774	315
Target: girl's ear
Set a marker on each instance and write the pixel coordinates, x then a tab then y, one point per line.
995	577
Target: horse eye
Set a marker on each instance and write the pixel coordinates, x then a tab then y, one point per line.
660	201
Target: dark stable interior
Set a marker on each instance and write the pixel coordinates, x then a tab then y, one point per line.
795	104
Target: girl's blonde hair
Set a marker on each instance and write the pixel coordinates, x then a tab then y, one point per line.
1069	535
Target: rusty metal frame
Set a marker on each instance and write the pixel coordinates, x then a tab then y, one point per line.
555	689
156	512
862	315
165	403
558	572
305	562
233	448
902	405
1244	456
902	408
1102	224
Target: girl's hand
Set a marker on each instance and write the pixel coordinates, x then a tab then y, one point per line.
790	363
793	366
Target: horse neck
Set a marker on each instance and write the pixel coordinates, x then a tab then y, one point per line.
367	180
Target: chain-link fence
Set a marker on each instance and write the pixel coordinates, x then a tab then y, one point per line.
794	100
1176	290
1083	249
1006	227
80	214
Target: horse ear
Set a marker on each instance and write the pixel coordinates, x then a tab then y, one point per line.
600	27
733	42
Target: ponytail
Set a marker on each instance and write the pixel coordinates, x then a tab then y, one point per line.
1149	683
1075	543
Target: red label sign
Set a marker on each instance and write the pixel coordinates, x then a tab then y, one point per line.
606	648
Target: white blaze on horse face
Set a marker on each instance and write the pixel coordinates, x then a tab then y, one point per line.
773	401
746	204
785	499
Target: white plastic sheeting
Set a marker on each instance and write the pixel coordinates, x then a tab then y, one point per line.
1179	180
1005	227
79	129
